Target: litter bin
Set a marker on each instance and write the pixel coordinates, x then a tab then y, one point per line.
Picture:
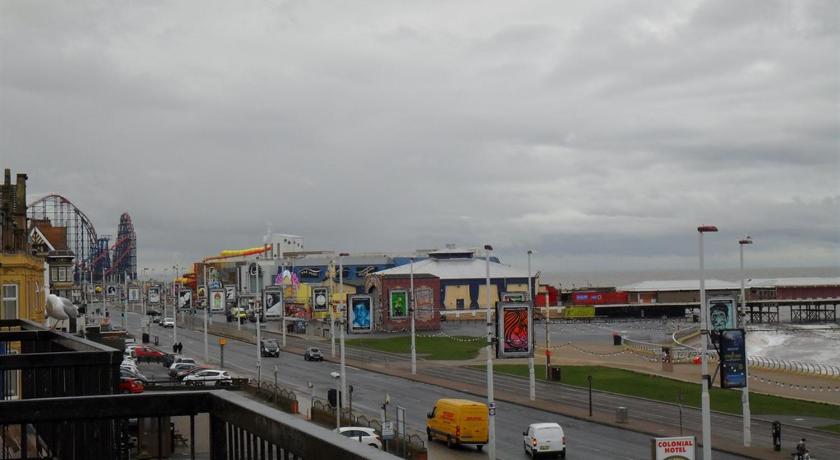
621	415
145	337
555	374
616	338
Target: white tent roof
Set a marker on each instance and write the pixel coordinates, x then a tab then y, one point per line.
793	282
448	269
679	285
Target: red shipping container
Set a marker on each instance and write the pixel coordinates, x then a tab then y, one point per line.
598	298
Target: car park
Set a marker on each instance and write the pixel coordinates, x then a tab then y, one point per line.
545	439
363	434
313	354
208	377
269	347
130	385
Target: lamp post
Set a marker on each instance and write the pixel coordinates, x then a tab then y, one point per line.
332	310
206	313
175	306
342	321
704	351
491	437
125	303
257	314
745	391
411	310
532	390
337	376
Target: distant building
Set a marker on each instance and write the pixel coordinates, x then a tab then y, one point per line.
22	285
51	243
677	291
793	288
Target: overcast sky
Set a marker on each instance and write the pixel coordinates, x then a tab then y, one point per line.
599	133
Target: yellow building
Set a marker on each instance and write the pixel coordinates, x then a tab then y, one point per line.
21	273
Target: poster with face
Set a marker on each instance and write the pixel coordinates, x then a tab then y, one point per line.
154	295
185	299
514	330
424	303
111	291
133	294
721	314
399	303
733	359
273	301
361	314
217	300
320	299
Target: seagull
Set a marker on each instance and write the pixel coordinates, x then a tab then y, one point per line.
55	309
71	310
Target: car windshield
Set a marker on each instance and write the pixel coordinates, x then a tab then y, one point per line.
314	350
270	343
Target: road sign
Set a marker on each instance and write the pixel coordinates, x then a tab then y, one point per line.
492	409
222	341
387	430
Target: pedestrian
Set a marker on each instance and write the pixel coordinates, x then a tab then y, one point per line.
175	348
180	347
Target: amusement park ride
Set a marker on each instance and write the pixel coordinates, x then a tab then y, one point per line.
94	257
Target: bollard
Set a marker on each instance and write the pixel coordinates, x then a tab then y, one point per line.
621	415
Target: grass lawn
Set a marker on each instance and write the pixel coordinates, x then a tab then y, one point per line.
668	390
832	428
439	348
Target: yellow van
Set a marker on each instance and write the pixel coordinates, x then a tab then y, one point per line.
458	421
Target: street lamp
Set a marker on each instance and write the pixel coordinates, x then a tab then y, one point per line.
411	310
745	391
175	306
491	438
206	311
532	391
704	350
342	321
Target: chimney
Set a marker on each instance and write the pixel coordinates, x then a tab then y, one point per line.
21	241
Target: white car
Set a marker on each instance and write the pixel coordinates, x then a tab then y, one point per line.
209	377
545	439
130	365
168	322
181	359
362	434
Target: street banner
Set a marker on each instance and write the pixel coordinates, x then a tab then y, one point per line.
185	299
399	303
320	299
230	293
154	295
676	448
217	300
361	314
513	330
273	301
733	358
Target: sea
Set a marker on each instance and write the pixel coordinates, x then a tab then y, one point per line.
805	343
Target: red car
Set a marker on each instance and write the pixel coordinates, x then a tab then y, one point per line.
148	353
129	385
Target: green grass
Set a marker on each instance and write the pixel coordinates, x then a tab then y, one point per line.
832	428
665	389
437	348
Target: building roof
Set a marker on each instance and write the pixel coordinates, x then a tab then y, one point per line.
679	285
55	238
448	269
793	282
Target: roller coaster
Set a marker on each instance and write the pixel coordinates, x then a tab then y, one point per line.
93	253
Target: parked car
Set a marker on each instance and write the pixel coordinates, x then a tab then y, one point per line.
129	364
185	372
362	434
209	377
130	385
134	375
313	354
179	367
181	359
235	313
148	353
458	421
270	348
167	322
545	439
169	359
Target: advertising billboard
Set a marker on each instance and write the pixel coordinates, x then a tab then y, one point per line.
273	301
514	330
579	312
154	295
360	315
424	304
676	448
111	290
733	358
320	299
230	293
399	303
217	300
514	297
133	294
722	314
185	299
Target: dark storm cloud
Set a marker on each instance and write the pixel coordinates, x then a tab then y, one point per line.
599	133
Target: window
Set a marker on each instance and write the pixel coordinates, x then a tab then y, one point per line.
54	274
10	302
62	273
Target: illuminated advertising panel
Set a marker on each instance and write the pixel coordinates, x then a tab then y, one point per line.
733	358
399	303
514	330
361	314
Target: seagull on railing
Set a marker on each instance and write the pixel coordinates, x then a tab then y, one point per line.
60	309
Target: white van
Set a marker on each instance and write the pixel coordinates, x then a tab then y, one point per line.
545	439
